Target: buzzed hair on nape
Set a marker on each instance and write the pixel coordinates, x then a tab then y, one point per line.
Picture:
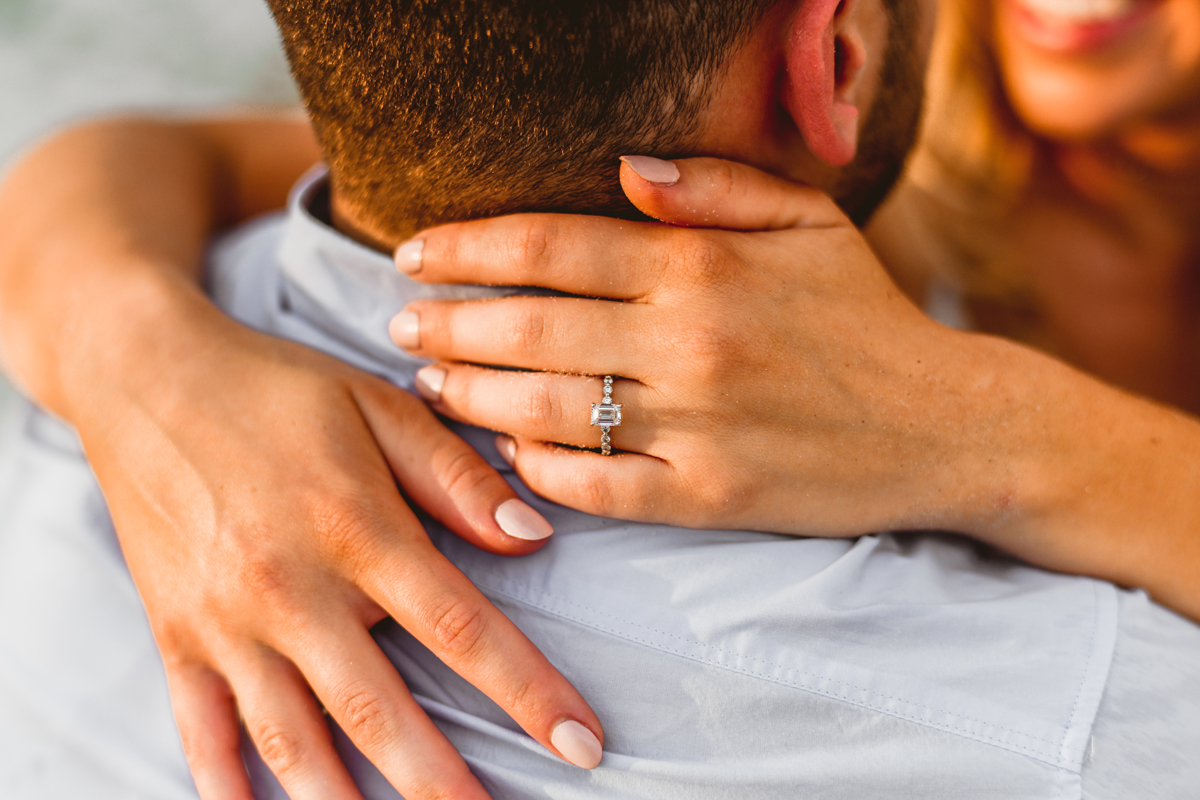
432	111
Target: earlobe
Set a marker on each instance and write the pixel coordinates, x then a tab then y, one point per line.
825	56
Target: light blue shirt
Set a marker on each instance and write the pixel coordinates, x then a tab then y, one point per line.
722	664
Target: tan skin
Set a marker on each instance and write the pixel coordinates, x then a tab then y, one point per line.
128	255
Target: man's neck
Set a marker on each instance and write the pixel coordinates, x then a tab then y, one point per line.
347	220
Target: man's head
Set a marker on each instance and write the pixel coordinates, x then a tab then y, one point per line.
437	110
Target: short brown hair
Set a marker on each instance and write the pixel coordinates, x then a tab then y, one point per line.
436	110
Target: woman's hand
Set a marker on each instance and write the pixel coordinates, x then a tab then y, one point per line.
253	488
253	482
773	377
774	381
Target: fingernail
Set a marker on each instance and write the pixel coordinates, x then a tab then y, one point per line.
430	381
520	521
577	744
654	170
405	330
507	449
408	256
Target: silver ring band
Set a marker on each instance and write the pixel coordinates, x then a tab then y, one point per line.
607	415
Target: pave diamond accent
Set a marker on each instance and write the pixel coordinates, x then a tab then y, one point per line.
606	414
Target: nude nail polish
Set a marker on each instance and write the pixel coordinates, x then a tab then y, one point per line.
653	170
577	744
409	256
429	382
520	521
507	449
405	330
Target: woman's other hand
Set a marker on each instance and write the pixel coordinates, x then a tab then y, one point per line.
252	481
254	490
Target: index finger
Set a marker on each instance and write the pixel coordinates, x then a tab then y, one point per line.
584	255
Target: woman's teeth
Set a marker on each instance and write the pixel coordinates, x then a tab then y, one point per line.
1080	12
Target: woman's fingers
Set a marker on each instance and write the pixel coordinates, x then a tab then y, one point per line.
446	477
288	728
537	405
207	717
365	695
621	486
585	255
715	193
441	608
565	334
617	259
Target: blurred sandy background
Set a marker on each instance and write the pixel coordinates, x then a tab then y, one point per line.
62	60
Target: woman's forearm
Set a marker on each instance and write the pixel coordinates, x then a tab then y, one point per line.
103	231
1081	477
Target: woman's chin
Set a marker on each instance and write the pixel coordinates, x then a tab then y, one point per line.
1078	109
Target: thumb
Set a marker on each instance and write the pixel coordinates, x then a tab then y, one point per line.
715	193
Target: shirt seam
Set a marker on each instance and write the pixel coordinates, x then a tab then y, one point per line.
1040	753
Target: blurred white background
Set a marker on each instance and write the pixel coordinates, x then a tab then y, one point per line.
63	60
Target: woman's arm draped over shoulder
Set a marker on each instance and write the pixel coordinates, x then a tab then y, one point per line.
774	378
110	219
252	481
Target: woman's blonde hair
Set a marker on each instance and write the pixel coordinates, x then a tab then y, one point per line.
971	165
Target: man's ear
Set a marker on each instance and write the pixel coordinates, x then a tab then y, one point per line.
825	58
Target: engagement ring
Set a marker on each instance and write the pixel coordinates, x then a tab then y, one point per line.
607	415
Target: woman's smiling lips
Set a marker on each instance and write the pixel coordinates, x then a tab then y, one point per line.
1073	26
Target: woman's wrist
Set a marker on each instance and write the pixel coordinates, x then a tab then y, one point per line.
102	231
119	344
80	235
985	410
1073	475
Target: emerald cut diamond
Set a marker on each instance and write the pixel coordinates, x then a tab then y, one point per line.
606	414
